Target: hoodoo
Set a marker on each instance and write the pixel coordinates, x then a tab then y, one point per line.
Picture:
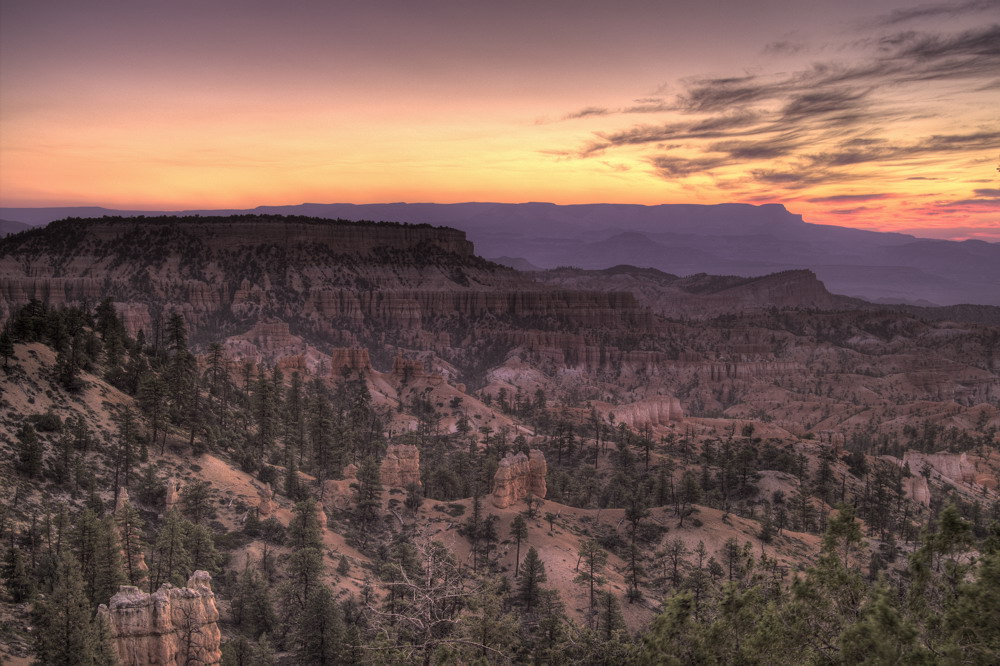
174	625
518	476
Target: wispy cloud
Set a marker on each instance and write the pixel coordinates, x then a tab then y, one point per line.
831	122
849	197
587	113
949	10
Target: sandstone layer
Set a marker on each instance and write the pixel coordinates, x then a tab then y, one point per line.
518	476
401	466
172	626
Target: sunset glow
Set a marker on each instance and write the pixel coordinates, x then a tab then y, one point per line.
882	115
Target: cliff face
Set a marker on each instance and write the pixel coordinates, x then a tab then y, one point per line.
656	411
518	476
702	295
335	279
171	626
401	466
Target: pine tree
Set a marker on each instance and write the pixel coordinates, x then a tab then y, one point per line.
251	604
531	579
6	347
609	618
130	525
171	560
518	532
108	570
304	530
20	584
594	558
200	546
689	495
265	416
368	497
974	619
67	632
320	632
153	402
305	569
881	636
196	501
29	452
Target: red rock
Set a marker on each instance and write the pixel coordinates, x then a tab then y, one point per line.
518	476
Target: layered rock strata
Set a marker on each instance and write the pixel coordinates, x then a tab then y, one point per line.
656	411
401	466
172	626
518	476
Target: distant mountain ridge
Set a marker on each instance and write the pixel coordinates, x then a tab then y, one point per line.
683	239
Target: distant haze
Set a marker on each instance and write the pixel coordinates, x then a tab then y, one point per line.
726	239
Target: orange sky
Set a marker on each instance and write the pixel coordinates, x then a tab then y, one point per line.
871	114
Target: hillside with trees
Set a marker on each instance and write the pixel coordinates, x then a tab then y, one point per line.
553	476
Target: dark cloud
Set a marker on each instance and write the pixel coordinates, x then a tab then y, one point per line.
714	95
988	192
740	123
784	47
759	150
678	167
849	197
849	211
976	203
813	125
657	106
587	112
823	103
937	11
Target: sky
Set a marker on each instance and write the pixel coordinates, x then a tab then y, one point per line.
878	114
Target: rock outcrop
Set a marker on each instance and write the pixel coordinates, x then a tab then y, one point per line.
337	493
172	626
656	411
401	466
173	495
350	359
518	476
265	502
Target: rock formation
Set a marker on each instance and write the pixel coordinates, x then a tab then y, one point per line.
517	476
353	359
265	503
337	493
173	495
656	411
401	466
321	516
172	626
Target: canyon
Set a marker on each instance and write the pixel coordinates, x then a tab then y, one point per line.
599	395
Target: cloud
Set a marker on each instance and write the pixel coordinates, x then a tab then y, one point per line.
849	197
784	47
937	11
849	211
988	192
830	122
975	203
759	150
674	167
587	112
